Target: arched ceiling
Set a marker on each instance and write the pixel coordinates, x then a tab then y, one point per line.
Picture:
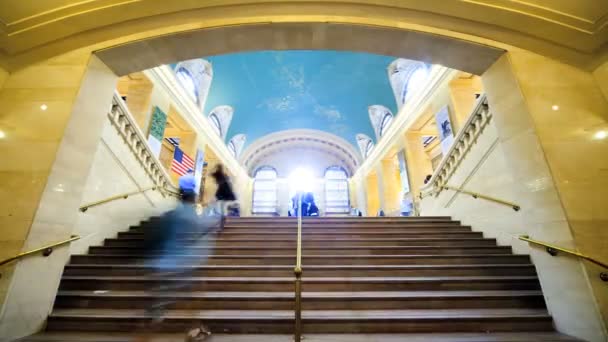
272	91
574	31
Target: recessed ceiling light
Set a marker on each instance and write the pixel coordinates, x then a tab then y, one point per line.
555	107
44	107
600	135
2	135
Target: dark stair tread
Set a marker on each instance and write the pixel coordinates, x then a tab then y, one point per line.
308	279
219	239
316	267
413	337
325	256
452	314
310	295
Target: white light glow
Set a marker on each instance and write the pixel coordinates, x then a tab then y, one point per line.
44	107
2	135
555	107
601	135
301	180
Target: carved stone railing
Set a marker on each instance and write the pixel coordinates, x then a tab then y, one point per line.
125	124
463	142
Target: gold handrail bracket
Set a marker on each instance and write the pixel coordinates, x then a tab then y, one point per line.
46	250
554	250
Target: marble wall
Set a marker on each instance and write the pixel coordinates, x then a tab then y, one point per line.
510	161
115	171
51	150
32	137
568	109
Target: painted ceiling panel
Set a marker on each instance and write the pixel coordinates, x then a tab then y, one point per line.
277	90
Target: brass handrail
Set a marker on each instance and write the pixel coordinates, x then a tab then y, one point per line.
47	250
298	274
553	250
487	198
113	198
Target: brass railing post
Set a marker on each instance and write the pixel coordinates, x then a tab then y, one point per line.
298	281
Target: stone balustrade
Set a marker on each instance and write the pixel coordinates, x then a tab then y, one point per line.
463	142
125	124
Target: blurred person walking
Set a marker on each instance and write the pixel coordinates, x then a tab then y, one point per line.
224	193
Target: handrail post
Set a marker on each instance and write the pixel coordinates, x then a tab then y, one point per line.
298	274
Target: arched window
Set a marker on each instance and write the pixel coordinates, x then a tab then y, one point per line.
236	144
415	81
406	76
265	191
215	124
336	190
380	117
365	144
185	79
369	147
220	118
388	118
232	148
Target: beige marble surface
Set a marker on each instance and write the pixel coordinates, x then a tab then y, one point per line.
51	153
577	160
510	161
32	138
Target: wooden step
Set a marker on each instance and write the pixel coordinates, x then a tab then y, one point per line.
386	300
244	259
318	321
316	242
318	235
320	229
310	270
359	250
145	283
529	336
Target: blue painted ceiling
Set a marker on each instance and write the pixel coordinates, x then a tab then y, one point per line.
276	90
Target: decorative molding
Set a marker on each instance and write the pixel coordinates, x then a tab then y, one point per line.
463	142
127	128
301	138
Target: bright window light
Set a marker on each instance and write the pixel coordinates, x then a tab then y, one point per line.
301	180
601	135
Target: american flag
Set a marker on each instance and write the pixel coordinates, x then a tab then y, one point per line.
181	162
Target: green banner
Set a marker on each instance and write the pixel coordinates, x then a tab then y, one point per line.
158	123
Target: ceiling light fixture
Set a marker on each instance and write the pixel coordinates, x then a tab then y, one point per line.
555	107
2	135
600	135
44	107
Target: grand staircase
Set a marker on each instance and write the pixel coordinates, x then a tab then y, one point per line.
421	276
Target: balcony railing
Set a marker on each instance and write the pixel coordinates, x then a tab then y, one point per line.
128	129
463	142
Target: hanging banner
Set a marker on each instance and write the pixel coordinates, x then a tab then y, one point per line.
158	122
406	197
446	134
198	168
155	145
